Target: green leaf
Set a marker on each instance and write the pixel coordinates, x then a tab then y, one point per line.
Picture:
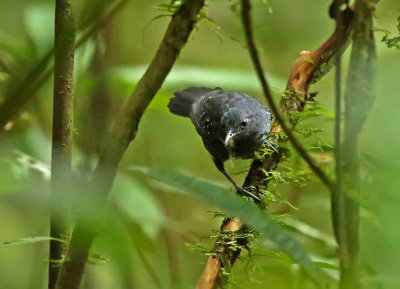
27	240
97	259
309	59
288	260
171	6
233	205
39	23
187	75
137	203
309	231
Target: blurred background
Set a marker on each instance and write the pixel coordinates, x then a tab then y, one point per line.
155	236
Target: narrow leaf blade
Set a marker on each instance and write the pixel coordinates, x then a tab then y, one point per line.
27	240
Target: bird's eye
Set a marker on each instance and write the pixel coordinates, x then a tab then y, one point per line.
243	123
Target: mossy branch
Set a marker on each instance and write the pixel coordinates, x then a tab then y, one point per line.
246	17
302	75
64	52
123	132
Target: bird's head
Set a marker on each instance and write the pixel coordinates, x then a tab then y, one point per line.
244	130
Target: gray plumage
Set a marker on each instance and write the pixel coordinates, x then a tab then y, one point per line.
231	124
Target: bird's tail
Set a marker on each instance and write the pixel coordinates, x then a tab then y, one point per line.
182	103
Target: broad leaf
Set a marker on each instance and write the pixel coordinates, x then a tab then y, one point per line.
186	75
309	231
233	205
137	203
286	259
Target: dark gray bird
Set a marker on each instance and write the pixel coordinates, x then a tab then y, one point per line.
231	124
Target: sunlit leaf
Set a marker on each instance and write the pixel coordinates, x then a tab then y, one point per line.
186	75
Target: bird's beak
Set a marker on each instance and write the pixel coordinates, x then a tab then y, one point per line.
229	138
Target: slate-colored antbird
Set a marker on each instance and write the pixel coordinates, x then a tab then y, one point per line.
231	124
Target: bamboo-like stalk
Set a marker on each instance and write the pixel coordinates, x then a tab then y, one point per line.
64	51
123	132
358	100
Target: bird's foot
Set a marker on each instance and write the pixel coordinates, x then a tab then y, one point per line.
270	145
243	192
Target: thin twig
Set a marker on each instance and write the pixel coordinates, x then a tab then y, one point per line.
246	17
123	132
42	71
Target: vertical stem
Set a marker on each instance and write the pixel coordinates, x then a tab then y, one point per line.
336	199
338	113
123	132
358	100
64	48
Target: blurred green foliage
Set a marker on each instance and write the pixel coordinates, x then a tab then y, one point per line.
146	225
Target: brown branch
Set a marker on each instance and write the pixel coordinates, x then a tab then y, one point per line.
64	51
41	72
302	75
226	257
123	132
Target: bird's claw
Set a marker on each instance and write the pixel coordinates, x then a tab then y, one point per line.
271	145
251	188
243	191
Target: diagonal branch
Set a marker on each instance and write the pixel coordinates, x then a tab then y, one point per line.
123	132
302	75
